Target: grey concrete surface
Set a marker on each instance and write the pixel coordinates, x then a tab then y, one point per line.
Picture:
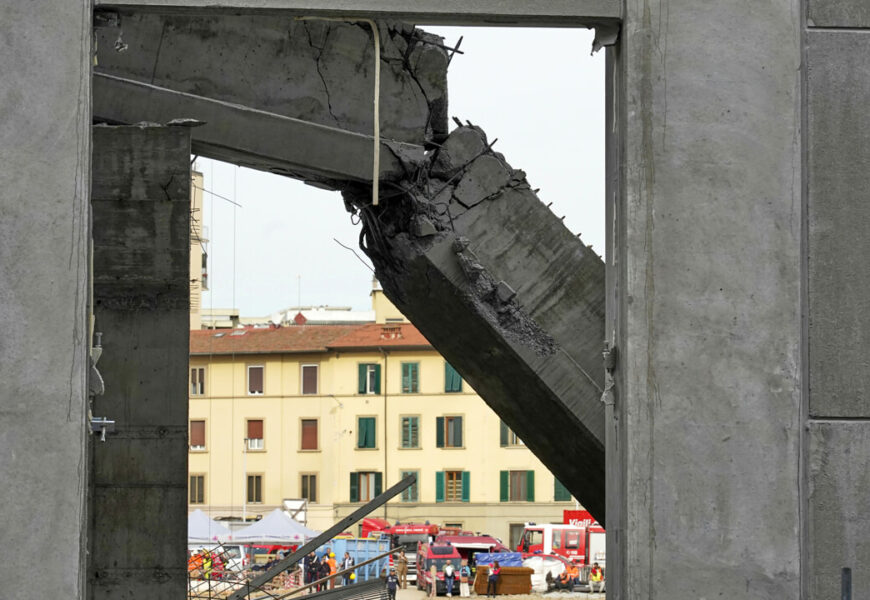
524	298
316	71
838	13
838	176
709	370
44	229
250	137
543	13
141	215
839	514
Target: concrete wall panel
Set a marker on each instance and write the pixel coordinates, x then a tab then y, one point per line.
141	209
839	512
838	13
710	361
838	94
45	54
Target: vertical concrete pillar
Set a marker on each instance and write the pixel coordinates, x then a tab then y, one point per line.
837	43
45	57
707	238
141	206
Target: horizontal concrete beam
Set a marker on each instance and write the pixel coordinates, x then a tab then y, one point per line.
542	13
249	137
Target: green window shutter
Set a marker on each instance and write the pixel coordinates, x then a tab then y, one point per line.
366	432
504	485
379	483
466	485
414	440
415	378
503	434
530	486
452	380
457	431
560	492
439	486
377	389
354	487
362	379
439	432
406	378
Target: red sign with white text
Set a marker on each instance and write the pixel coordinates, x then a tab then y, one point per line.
578	518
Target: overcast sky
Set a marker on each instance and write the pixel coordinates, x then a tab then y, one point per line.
537	90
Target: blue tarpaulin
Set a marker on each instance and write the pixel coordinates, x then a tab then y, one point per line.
505	559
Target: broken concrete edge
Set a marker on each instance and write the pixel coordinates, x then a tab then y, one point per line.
418	211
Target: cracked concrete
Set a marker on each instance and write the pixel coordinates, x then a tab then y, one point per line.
317	71
463	239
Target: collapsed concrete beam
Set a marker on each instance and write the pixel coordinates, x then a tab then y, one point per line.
506	293
317	71
249	137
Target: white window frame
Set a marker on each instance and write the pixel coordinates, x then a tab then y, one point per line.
248	380
302	368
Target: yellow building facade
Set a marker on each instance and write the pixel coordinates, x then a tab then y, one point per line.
336	413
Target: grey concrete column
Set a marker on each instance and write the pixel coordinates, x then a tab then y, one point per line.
708	247
44	231
141	206
837	445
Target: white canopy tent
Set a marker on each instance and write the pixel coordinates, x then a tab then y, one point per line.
203	530
276	527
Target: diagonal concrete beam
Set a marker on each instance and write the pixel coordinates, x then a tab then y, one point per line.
507	294
248	137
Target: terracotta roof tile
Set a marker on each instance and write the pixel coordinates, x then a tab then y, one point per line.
294	339
377	335
305	339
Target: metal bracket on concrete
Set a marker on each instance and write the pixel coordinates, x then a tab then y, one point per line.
609	356
102	425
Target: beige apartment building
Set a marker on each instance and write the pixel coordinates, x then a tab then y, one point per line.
334	414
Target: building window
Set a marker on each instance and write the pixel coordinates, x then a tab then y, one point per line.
309	379
410	432
366	429
197	489
309	434
369	379
517	486
365	486
507	437
410	378
255	381
448	432
197	436
452	486
255	489
410	494
309	487
452	380
255	434
197	381
560	492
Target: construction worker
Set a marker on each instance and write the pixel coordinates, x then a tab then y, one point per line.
392	582
402	568
333	567
596	578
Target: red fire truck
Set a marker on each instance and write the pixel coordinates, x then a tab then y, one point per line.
581	544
